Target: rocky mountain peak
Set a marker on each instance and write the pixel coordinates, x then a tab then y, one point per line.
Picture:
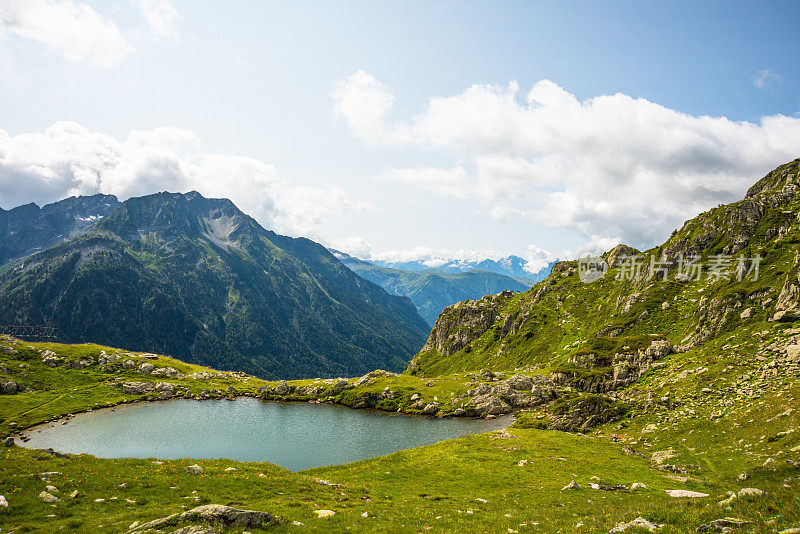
615	256
783	179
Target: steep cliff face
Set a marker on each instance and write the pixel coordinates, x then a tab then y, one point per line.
734	265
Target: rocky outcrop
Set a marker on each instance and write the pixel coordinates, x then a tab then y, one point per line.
629	367
787	308
169	372
51	359
618	254
367	378
464	322
137	388
518	391
586	371
10	387
714	314
582	413
211	514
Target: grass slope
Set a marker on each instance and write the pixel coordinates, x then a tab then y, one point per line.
519	473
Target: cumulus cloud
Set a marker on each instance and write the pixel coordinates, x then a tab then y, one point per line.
161	17
68	159
538	258
363	102
766	78
354	246
612	167
73	30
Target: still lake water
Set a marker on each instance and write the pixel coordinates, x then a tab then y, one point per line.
296	436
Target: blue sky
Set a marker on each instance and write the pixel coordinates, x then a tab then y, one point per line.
316	117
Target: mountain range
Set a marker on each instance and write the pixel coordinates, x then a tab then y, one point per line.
511	266
431	290
198	279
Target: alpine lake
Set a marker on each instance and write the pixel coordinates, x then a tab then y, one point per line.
296	436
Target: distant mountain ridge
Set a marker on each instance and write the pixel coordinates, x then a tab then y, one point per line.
198	279
513	266
27	229
431	291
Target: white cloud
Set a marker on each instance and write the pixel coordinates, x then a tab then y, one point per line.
766	78
611	167
67	159
363	102
594	246
445	182
354	246
73	30
538	258
161	17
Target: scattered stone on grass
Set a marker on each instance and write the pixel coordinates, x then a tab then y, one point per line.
324	514
194	469
639	522
686	493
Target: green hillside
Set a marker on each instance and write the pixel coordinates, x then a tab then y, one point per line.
562	318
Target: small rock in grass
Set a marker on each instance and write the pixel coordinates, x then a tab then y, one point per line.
262	475
571	486
660	457
743	476
99	500
133	525
365	514
639	522
686	493
637	485
298	524
47	497
230	469
723	525
51	489
522	463
484	501
750	492
74	494
324	514
731	497
793	530
194	469
3	502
